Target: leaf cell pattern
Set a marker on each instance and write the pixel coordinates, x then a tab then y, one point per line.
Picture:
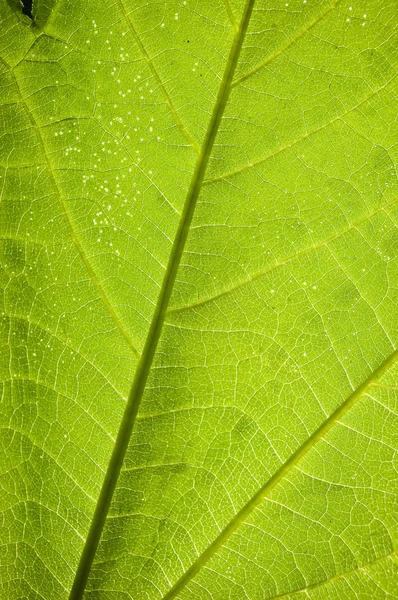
262	462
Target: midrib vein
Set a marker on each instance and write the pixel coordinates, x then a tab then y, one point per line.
242	516
68	220
155	329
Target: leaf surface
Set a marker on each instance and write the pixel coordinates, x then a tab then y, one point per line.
200	198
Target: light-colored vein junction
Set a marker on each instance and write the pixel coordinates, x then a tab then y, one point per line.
242	516
231	15
280	262
286	45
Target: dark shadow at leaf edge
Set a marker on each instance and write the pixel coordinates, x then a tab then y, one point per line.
38	11
27	6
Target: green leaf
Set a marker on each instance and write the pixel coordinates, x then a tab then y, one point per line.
198	248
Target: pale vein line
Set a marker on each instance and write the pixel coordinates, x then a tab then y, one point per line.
279	263
135	164
343	486
289	145
231	15
33	442
65	343
386	386
40	383
287	44
335	577
363	297
242	516
69	223
35	552
191	141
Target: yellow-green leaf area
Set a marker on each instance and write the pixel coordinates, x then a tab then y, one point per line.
198	247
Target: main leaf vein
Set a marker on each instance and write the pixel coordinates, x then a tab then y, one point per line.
155	330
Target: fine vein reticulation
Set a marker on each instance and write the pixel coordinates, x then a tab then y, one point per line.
263	492
280	262
257	478
381	559
145	362
191	141
74	237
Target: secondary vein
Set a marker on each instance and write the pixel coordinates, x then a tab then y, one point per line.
258	161
281	262
278	476
65	213
191	141
287	44
337	577
145	362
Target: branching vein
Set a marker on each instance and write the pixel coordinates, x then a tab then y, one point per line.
281	262
287	44
242	516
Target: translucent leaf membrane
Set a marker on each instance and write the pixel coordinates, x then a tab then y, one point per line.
263	459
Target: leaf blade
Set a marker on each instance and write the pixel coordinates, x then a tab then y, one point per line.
241	380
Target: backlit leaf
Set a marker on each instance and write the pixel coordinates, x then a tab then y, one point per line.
200	197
